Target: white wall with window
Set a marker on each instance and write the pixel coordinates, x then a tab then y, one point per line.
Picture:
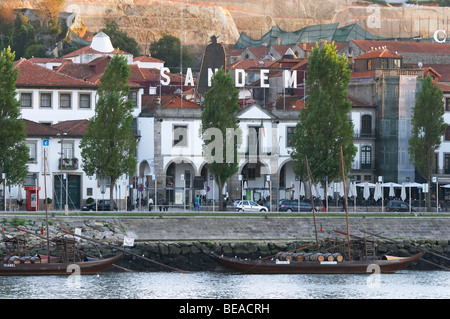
57	105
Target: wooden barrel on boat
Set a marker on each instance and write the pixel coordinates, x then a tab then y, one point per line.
278	256
25	260
328	256
307	256
286	257
317	257
298	256
338	257
35	260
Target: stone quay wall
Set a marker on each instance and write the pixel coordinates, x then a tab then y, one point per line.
181	242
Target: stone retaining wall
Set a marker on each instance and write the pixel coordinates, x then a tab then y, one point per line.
181	242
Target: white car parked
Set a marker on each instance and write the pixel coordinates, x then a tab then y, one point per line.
250	206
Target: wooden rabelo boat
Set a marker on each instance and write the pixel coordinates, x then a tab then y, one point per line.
317	263
64	263
42	267
388	264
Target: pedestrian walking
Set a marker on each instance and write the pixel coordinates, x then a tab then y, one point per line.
197	204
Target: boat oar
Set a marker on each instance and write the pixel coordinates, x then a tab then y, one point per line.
123	250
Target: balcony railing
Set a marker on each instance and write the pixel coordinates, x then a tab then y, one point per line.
68	163
359	134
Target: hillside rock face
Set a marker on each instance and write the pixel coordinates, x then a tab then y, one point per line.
195	21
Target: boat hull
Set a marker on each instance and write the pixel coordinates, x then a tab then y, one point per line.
37	269
264	266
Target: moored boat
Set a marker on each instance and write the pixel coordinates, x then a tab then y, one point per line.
284	263
64	263
388	264
56	268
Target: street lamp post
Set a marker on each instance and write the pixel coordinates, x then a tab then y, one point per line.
61	141
4	190
380	180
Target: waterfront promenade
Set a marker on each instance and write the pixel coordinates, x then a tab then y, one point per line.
179	225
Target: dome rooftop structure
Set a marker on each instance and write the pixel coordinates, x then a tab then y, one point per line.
102	43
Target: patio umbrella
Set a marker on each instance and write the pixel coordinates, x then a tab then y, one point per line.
19	193
302	189
377	193
313	191
341	189
366	193
403	192
371	185
350	190
320	191
391	191
330	190
391	184
353	187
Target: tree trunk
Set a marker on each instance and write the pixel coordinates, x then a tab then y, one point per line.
111	194
220	186
429	193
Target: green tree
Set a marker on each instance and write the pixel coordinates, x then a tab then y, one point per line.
109	144
428	126
14	154
35	50
324	124
121	39
168	49
220	133
22	36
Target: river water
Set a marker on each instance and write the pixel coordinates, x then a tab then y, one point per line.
208	285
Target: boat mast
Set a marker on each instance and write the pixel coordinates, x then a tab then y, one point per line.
346	207
46	211
312	201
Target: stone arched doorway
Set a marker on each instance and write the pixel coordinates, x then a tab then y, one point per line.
255	184
177	192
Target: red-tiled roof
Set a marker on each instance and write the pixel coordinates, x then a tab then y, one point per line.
149	103
153	75
251	64
33	75
38	129
281	49
357	102
288	103
79	70
306	46
146	58
89	50
366	74
94	70
48	60
442	69
444	87
259	52
234	52
379	54
404	47
289	63
73	128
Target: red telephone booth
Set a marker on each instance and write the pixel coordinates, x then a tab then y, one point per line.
32	197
